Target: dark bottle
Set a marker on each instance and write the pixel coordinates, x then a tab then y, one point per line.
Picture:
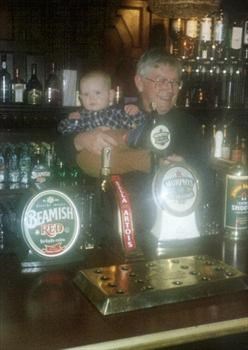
5	82
13	168
188	47
25	163
176	34
18	88
53	88
34	88
245	41
40	173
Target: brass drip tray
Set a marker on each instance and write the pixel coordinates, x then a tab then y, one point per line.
139	285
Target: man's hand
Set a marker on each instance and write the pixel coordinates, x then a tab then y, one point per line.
74	115
94	141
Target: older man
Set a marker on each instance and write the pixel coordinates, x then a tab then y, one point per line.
158	81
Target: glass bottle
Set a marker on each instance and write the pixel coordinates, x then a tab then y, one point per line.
189	40
205	40
176	32
236	151
34	88
25	163
235	44
13	168
218	46
243	151
18	88
2	169
53	87
40	173
5	82
245	41
226	147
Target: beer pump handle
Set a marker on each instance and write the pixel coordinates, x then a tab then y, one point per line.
105	167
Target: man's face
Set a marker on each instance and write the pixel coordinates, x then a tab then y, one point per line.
159	87
95	93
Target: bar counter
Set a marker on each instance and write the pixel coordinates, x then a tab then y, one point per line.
46	310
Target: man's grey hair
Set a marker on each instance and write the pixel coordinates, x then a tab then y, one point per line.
153	58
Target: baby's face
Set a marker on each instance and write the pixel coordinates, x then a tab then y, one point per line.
95	93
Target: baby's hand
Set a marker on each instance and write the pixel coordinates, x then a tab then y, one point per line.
74	115
131	109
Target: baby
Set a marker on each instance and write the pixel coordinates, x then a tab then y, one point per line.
97	98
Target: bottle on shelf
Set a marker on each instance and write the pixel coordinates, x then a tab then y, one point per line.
13	168
18	87
40	173
218	46
226	147
34	90
235	43
2	169
176	29
236	152
212	141
205	38
25	163
53	88
243	151
5	82
245	41
189	39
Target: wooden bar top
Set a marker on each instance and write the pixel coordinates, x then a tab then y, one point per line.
46	310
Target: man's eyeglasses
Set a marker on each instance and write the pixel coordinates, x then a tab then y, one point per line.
175	84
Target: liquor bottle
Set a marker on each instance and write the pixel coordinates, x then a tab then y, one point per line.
18	88
5	82
53	88
243	151
40	173
205	40
2	169
235	207
236	35
212	141
229	87
237	97
176	32
245	41
218	47
189	40
226	147
199	87
13	168
34	88
25	163
236	153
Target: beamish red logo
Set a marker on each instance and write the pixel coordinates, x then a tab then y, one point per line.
52	230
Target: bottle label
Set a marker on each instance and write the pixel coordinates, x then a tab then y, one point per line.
34	97
236	40
246	33
191	28
236	202
206	25
219	32
18	92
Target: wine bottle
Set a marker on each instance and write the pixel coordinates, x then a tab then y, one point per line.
205	42
218	47
236	35
226	148
176	33
18	88
189	40
53	88
5	82
34	88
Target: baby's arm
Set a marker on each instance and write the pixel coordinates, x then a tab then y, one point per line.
131	109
